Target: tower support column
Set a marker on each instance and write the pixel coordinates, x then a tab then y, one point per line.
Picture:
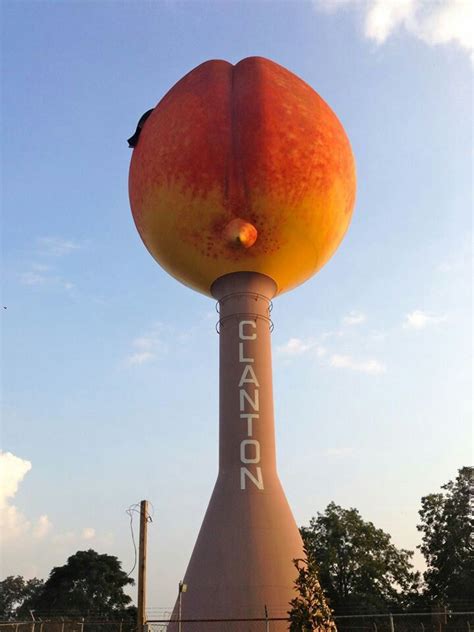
243	557
246	418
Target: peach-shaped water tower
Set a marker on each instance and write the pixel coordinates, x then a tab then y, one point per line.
242	186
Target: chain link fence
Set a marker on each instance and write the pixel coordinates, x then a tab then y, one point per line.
401	622
408	622
163	621
69	624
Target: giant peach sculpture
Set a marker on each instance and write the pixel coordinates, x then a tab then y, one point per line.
242	186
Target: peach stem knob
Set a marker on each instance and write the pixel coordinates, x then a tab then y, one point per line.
239	232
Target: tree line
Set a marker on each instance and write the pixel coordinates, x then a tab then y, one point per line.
351	566
355	568
90	585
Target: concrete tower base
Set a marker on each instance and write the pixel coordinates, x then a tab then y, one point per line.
243	557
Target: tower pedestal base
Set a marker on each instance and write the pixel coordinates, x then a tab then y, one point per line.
243	558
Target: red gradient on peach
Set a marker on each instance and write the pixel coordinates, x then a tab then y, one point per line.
251	142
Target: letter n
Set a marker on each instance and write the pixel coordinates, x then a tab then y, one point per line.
245	472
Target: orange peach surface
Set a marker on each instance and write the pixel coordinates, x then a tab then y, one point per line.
242	168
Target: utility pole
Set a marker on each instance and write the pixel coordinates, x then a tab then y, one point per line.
182	588
142	546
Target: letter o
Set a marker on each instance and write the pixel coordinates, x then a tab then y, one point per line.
243	447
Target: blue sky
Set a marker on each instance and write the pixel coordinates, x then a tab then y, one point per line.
110	366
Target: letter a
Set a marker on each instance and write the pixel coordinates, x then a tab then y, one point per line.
246	380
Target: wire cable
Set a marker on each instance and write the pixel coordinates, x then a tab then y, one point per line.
130	511
135	508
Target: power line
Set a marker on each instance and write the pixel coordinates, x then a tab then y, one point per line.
130	511
135	508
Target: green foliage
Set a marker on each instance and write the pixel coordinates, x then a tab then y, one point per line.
16	595
358	564
88	583
447	525
309	610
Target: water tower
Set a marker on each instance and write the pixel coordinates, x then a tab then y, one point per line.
242	186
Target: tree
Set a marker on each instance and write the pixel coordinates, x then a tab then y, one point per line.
16	594
447	525
88	583
359	567
309	610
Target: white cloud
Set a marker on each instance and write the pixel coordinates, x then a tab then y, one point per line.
88	533
56	246
313	347
25	539
37	279
145	342
40	274
43	276
298	346
65	538
431	21
141	357
370	366
147	346
40	267
446	266
12	471
331	6
13	524
383	17
294	347
460	264
43	527
354	318
449	21
34	277
338	333
419	319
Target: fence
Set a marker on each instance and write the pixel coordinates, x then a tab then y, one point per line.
408	622
399	622
69	624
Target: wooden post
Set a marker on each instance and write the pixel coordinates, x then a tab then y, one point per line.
141	617
182	588
33	618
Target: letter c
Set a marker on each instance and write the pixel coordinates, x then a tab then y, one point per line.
242	335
